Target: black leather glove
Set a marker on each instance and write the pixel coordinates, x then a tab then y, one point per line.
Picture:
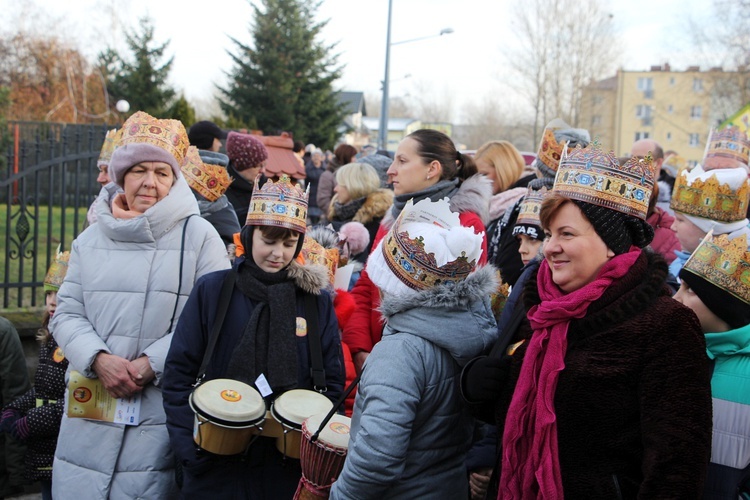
483	378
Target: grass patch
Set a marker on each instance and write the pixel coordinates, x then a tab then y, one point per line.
24	262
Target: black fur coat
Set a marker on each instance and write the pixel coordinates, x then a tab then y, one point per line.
633	403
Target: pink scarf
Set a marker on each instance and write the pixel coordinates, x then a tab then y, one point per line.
120	209
530	462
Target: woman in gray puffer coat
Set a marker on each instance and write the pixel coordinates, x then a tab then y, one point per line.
410	428
128	278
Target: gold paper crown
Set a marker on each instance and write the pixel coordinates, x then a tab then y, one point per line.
56	272
530	206
725	263
210	181
280	204
675	162
407	258
710	199
315	253
111	141
550	151
591	175
730	142
169	135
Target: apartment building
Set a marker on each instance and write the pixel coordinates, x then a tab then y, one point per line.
675	108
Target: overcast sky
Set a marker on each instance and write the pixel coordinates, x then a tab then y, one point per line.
466	65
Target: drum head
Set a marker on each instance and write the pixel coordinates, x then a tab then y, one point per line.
336	431
294	406
228	402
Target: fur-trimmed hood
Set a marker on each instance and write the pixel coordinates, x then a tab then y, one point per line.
311	278
375	206
456	317
473	195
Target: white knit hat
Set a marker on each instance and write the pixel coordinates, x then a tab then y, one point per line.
426	247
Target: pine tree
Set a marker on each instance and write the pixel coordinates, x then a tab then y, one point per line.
182	110
284	82
140	79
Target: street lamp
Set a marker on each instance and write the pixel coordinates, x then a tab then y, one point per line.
383	132
122	106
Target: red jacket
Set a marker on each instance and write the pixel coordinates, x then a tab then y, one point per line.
365	328
665	240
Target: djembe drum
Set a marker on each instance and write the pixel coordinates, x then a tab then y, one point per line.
323	459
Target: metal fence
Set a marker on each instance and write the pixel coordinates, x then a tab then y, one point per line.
47	183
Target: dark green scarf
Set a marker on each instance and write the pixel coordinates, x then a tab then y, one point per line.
269	343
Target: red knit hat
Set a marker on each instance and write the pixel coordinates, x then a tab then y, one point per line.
245	151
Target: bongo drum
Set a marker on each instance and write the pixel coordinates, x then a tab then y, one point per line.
290	410
226	412
323	460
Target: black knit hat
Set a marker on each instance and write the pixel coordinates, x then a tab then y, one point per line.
723	304
619	231
202	134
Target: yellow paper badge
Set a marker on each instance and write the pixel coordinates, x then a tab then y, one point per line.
301	327
58	356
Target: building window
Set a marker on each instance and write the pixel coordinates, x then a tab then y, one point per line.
697	84
694	140
596	120
596	99
696	111
669	136
641	135
642	111
670	109
671	80
645	83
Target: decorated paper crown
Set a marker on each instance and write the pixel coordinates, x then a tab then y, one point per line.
280	204
725	263
591	175
550	151
315	253
411	257
708	194
210	181
730	142
170	135
530	207
528	215
111	141
56	272
674	164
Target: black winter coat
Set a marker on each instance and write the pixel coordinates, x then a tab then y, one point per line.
208	475
43	406
633	403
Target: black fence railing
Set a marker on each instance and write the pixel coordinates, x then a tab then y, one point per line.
47	184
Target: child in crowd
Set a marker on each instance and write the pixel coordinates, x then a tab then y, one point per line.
528	229
34	418
410	429
264	336
714	285
713	196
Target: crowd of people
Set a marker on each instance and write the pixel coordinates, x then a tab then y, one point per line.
475	327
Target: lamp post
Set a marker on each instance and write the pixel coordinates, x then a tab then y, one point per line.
383	132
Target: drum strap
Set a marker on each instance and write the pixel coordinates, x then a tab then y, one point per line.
317	370
336	405
225	296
